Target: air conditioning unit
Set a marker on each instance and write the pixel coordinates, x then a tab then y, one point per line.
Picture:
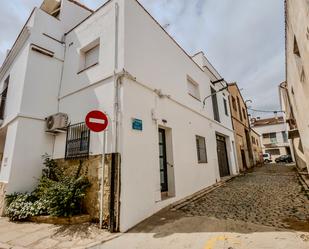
57	122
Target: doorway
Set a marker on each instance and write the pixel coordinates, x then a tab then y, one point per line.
222	156
163	161
244	162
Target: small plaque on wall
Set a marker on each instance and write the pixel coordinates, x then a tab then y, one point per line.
137	124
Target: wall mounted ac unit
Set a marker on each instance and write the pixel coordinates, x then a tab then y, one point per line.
57	122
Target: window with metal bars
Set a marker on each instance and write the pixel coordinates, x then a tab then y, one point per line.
77	142
201	149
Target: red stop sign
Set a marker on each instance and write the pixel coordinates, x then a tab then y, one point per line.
96	121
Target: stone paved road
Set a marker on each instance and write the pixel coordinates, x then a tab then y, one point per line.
269	195
249	212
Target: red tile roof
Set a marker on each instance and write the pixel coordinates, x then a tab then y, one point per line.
267	121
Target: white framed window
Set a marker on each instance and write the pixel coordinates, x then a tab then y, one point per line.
89	55
92	56
201	149
193	88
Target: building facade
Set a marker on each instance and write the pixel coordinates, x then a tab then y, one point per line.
293	132
274	136
297	77
256	141
241	128
169	123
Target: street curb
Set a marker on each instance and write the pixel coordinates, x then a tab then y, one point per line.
303	182
99	243
183	202
173	207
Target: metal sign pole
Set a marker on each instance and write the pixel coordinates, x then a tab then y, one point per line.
102	179
97	121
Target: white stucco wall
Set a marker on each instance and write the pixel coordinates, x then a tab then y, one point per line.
157	63
71	14
297	20
140	156
146	52
32	96
94	88
27	161
8	152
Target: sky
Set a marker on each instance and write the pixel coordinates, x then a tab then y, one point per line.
243	39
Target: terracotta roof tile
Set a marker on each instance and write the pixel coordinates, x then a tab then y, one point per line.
268	121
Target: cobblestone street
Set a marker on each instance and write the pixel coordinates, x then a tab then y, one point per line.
270	195
263	209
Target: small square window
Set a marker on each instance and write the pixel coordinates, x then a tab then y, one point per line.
193	88
89	55
201	149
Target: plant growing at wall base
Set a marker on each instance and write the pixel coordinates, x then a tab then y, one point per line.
23	206
57	194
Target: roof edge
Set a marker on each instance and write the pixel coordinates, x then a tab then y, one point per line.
12	50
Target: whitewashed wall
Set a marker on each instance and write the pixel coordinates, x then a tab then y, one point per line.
147	53
158	63
32	96
93	88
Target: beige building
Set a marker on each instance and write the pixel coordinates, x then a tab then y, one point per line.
256	147
241	127
295	93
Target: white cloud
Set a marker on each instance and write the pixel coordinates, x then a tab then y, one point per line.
244	39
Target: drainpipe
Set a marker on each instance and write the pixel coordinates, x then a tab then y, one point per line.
117	79
117	82
59	89
61	75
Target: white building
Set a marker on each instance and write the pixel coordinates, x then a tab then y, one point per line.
274	136
121	61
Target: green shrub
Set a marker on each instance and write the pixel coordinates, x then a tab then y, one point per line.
64	198
56	195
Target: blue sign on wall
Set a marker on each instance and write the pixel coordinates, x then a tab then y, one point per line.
137	124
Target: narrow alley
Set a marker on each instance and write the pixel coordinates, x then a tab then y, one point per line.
265	208
270	196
